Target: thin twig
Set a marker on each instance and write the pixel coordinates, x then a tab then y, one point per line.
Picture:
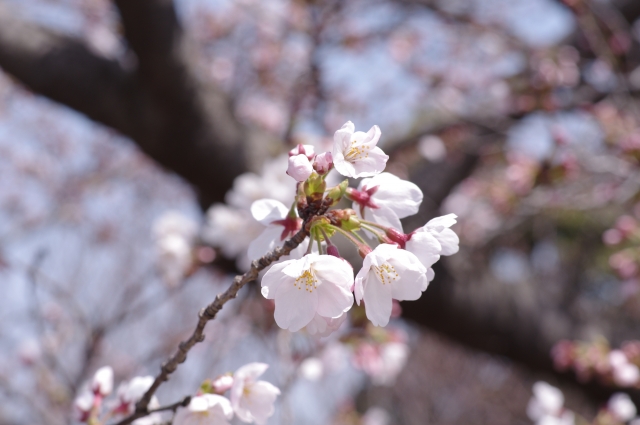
207	314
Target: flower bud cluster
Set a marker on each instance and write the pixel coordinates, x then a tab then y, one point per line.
90	406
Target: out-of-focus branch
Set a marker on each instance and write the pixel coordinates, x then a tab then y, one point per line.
67	71
178	118
207	314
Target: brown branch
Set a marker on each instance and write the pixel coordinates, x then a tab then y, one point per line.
207	314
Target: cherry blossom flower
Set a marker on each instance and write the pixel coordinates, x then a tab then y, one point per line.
388	273
355	154
546	406
625	374
231	229
206	409
621	406
271	183
299	167
280	226
385	199
426	248
102	383
174	234
252	400
314	284
129	393
82	406
439	227
222	383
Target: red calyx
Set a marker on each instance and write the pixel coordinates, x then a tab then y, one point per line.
397	237
291	226
363	197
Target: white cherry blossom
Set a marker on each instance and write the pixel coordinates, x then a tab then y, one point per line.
279	227
439	227
426	248
129	393
385	199
272	182
206	409
82	405
314	284
387	273
355	154
252	400
621	406
231	229
300	167
547	402
102	382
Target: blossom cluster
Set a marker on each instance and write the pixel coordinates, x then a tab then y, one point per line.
251	400
315	288
90	405
546	407
616	367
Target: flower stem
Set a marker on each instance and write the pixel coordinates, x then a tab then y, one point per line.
349	235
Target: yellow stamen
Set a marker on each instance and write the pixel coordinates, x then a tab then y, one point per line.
308	279
386	273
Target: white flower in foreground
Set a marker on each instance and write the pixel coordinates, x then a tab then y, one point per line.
546	401
356	154
300	167
388	273
206	409
385	199
439	227
313	284
102	381
252	400
426	248
621	406
279	227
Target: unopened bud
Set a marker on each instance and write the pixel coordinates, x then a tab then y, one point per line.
222	384
299	167
333	250
306	150
323	163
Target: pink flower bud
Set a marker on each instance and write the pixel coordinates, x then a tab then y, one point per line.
306	150
102	383
323	163
222	384
299	167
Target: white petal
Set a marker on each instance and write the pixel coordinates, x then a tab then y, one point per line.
373	164
439	223
401	196
274	278
449	241
260	400
268	240
334	270
295	307
267	211
425	247
342	138
372	136
384	216
377	300
343	166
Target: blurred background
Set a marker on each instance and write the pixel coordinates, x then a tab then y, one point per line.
134	135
